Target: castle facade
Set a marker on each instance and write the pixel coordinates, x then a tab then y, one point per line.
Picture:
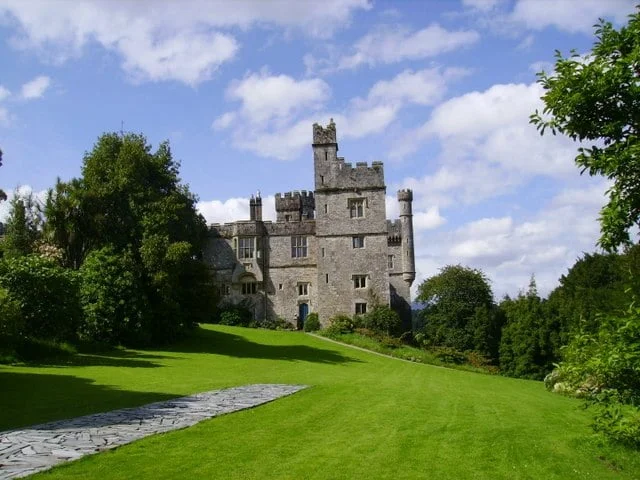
329	251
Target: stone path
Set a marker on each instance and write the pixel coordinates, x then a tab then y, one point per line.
40	447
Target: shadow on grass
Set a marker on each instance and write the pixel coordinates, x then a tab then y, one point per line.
110	358
29	398
223	343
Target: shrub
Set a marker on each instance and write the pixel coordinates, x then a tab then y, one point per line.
236	315
111	298
312	323
47	295
11	320
341	323
278	323
448	355
383	319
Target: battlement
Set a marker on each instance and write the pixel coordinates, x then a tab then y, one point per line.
324	135
295	206
405	195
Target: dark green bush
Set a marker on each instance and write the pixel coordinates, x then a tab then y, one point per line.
47	295
449	355
11	320
236	315
111	298
341	323
312	323
383	319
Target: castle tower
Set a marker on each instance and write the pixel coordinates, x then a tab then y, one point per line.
255	208
405	199
351	230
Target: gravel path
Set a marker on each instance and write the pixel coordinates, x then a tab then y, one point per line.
40	447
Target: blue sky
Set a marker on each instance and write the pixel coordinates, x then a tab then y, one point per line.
440	90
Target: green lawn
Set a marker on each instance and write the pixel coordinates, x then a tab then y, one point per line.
365	416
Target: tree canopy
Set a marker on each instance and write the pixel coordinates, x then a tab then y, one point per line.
459	310
596	99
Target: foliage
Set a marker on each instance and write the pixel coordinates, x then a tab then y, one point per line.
312	323
459	311
131	200
526	348
112	300
604	367
11	319
342	323
382	319
238	315
46	293
597	99
22	227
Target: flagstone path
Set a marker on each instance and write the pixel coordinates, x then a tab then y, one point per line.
40	447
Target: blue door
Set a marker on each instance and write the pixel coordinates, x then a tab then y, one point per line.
303	311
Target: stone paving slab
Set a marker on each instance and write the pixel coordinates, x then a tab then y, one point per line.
40	447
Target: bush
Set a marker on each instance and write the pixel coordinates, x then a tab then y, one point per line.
276	324
341	323
47	295
382	319
111	298
312	323
11	320
448	355
236	315
604	368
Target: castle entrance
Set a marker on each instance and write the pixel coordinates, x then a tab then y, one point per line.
303	311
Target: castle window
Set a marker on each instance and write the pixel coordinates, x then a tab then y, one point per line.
224	290
287	218
390	262
249	288
298	247
356	207
246	247
323	251
359	281
325	208
322	179
358	241
326	278
303	289
361	308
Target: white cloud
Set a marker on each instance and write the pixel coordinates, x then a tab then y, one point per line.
272	107
4	117
180	41
35	88
233	209
428	220
482	5
569	15
4	93
509	250
266	96
391	45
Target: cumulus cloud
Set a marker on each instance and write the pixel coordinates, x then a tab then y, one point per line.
4	93
184	42
233	209
569	15
35	88
270	121
509	250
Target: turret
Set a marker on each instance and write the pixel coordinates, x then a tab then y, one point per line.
325	153
405	199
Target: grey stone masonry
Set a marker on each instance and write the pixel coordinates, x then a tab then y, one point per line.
40	447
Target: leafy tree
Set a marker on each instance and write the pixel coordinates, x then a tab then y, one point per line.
597	100
526	346
46	293
459	310
130	199
23	226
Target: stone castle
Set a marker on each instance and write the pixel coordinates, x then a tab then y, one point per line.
329	251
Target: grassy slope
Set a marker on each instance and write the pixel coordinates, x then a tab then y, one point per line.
364	417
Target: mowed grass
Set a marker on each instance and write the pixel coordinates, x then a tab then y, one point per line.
364	416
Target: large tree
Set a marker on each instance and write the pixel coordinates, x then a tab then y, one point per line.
595	99
130	200
459	310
